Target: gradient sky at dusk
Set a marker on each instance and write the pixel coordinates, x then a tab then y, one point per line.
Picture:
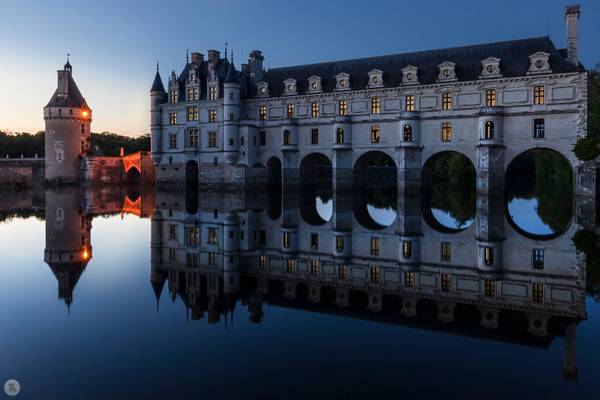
114	45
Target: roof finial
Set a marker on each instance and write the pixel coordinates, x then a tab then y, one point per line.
187	56
156	65
232	56
226	50
68	55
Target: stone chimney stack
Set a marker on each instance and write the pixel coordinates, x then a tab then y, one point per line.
197	58
63	82
572	20
213	55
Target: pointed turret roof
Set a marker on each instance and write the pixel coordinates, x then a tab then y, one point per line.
73	98
232	75
157	85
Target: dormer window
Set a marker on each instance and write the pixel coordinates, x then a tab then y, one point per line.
538	63
342	81
447	72
173	96
314	84
212	92
262	88
409	75
290	86
490	68
376	78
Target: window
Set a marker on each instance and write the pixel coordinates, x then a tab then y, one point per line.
212	139
446	131
193	138
343	272
82	129
409	103
173	96
375	246
172	255
192	236
539	128
287	137
314	109
314	241
212	92
172	141
232	116
290	111
446	101
291	265
407	133
375	105
262	263
446	285
538	258
343	107
489	288
314	267
314	136
339	136
488	131
537	292
172	232
192	113
212	258
406	249
339	244
446	251
212	115
286	240
490	97
212	235
192	94
538	95
409	279
375	274
375	134
231	96
263	138
262	112
488	255
191	260
173	118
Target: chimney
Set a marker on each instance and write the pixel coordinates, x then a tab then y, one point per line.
255	61
63	82
197	58
213	55
572	19
245	69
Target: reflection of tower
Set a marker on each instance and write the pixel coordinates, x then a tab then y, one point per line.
157	276
68	240
490	232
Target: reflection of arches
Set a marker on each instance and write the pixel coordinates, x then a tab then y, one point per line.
367	203
314	206
191	174
274	172
133	176
316	170
375	168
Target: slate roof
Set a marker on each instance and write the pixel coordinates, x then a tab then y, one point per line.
513	55
73	99
157	85
232	75
202	73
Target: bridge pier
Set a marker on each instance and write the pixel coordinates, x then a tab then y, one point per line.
489	232
408	228
490	168
341	224
342	178
408	160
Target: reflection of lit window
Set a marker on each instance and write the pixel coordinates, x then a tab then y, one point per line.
375	134
291	265
537	292
314	267
375	274
343	107
343	272
490	97
488	255
339	136
262	262
446	252
409	103
538	258
314	241
409	279
339	244
406	249
446	282
538	95
489	130
489	288
374	246
286	240
212	235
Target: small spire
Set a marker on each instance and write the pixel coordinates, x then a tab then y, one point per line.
187	56
226	50
156	65
232	56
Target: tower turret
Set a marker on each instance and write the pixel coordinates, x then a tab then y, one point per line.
68	135
158	96
231	114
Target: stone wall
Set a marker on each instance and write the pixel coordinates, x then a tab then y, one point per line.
22	172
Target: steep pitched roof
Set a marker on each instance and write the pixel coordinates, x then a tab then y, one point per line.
513	55
231	76
73	99
157	85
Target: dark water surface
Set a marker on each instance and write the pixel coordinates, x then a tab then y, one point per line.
106	294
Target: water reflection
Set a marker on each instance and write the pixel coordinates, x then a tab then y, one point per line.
375	208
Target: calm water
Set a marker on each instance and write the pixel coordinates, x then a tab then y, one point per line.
107	294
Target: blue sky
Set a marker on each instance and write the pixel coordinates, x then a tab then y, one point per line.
115	44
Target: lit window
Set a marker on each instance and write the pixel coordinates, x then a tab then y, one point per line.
339	244
192	113
375	246
343	272
537	292
409	103
488	255
409	279
314	136
406	249
173	118
538	258
212	235
314	267
291	265
446	285
212	93
314	109
172	141
446	131
212	115
287	137
212	258
290	111
212	139
192	94
375	134
407	133
375	274
286	240
343	107
488	130
538	95
446	251
539	128
375	105
314	241
172	232
446	101
489	288
262	113
173	96
262	263
339	136
490	97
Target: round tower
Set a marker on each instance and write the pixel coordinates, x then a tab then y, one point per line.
231	115
158	96
68	135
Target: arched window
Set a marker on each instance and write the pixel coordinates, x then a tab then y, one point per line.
287	137
339	136
489	130
407	133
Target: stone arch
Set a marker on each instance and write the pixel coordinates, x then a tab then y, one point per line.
133	176
375	166
274	172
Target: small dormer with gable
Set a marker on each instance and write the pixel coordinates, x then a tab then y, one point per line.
447	72
192	85
262	89
539	63
375	78
490	68
342	81
290	87
410	75
173	88
314	84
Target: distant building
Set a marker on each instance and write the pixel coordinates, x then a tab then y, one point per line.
490	102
